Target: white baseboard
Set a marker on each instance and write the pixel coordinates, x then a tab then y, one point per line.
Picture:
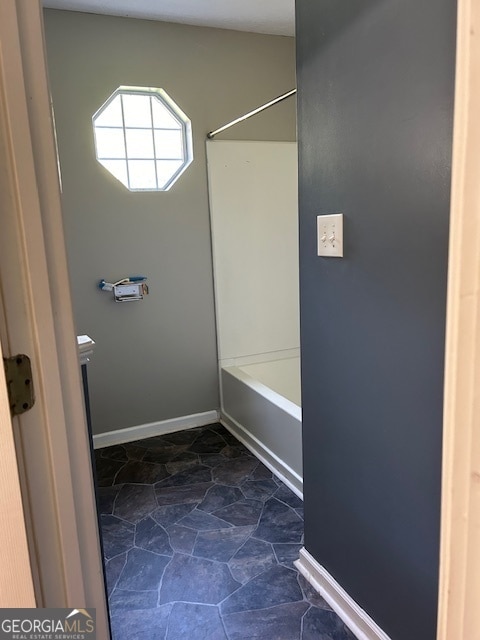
354	617
143	431
286	474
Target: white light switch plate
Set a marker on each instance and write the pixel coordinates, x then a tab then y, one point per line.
330	235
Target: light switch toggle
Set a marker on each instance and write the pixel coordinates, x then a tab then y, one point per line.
330	235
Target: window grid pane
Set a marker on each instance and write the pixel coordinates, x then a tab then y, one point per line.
140	141
168	144
142	174
139	144
111	116
136	110
162	117
166	169
110	143
118	169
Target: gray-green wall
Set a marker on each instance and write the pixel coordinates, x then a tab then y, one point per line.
154	359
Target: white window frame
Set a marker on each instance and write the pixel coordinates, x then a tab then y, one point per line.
174	110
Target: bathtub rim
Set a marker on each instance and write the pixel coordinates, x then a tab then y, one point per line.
268	393
264	453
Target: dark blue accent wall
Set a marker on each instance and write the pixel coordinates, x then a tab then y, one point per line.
375	113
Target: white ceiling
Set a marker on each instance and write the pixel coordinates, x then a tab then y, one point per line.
260	16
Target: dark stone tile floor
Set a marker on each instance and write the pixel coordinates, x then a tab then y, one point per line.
199	541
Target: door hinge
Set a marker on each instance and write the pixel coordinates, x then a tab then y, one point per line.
18	372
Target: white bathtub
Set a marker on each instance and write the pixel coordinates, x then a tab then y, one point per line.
261	405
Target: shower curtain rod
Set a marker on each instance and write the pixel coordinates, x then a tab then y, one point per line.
284	96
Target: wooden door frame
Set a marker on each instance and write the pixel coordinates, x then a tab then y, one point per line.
459	613
36	318
46	301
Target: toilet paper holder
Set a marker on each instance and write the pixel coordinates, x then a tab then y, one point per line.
128	289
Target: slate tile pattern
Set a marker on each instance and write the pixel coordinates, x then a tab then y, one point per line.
199	540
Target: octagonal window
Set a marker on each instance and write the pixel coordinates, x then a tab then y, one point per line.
143	138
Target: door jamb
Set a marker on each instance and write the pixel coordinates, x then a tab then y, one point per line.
459	614
52	440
